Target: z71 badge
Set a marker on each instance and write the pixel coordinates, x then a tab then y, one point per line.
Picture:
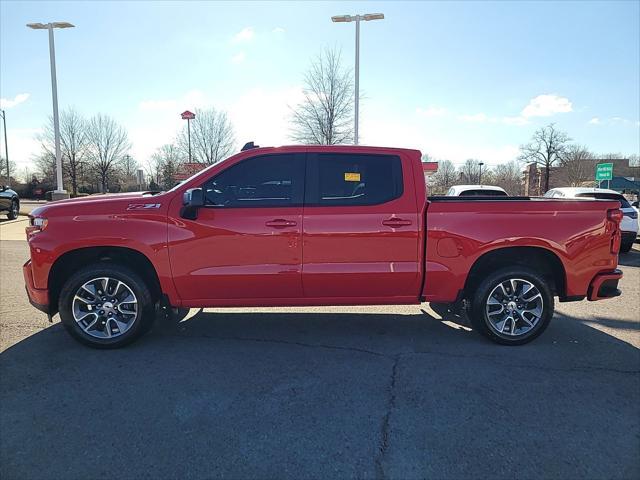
143	206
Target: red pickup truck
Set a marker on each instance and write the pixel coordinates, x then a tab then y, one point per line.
316	225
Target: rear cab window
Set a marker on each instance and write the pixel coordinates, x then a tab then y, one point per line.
482	193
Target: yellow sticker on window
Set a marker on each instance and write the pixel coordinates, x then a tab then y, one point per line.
352	177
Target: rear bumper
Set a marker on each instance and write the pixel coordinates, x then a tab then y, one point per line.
605	285
39	298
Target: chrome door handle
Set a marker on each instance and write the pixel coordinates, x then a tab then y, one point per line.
281	223
396	222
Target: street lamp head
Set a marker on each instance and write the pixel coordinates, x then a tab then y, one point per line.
341	18
45	26
373	16
63	25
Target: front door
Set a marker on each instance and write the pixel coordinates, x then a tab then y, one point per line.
361	229
246	242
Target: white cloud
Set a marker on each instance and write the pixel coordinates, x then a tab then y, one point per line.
263	115
388	130
158	121
484	118
244	35
515	121
22	146
477	118
546	105
431	112
278	30
238	58
594	121
259	115
191	99
6	103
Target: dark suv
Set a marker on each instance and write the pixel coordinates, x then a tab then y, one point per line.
9	202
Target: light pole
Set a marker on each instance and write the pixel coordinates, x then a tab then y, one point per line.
6	147
60	191
480	176
356	18
188	116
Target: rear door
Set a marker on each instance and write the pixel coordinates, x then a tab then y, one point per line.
361	228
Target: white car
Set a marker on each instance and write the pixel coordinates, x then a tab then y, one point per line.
476	191
629	224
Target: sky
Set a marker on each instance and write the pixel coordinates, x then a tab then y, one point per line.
456	80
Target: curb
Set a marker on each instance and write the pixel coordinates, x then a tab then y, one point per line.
9	222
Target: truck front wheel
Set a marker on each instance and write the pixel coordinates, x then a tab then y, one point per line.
512	306
106	306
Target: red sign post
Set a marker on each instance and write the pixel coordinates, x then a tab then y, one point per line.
188	116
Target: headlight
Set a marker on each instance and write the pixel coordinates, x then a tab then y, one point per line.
36	225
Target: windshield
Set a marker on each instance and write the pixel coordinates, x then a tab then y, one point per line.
606	196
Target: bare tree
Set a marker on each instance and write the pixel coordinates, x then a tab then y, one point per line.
576	165
547	146
470	171
108	144
45	163
166	162
444	177
13	172
508	176
325	116
212	137
73	145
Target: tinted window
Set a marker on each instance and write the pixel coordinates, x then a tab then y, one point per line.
267	181
605	196
343	179
483	193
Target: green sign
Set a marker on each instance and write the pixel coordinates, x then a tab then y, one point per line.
604	171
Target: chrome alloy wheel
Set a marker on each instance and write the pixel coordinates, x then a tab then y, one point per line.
15	209
514	307
105	307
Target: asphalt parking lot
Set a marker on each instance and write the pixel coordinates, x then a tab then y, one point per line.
380	392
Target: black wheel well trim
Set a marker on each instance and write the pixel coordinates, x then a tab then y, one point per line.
70	261
540	259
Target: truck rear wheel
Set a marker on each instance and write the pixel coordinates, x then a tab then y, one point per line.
512	306
106	306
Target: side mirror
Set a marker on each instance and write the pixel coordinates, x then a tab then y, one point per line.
192	200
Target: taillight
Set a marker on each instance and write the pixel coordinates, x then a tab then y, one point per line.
614	218
36	225
615	215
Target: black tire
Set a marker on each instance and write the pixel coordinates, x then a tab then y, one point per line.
625	247
146	307
14	210
479	298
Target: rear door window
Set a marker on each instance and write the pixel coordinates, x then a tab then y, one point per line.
349	179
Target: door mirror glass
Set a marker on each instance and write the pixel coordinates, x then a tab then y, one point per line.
192	200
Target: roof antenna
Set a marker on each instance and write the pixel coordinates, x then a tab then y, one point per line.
249	146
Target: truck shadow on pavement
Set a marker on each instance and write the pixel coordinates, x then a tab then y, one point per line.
321	395
630	259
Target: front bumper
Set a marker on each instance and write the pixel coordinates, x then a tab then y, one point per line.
605	285
38	297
